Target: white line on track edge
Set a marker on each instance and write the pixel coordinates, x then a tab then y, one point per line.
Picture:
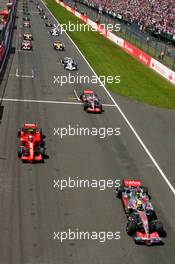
46	101
120	111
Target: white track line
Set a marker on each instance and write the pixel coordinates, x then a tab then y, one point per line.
46	101
38	101
24	76
121	112
75	92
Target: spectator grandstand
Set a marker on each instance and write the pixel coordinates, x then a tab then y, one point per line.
157	15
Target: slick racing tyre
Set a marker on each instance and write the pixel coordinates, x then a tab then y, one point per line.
42	152
131	227
120	190
157	226
145	189
19	154
19	132
86	105
41	132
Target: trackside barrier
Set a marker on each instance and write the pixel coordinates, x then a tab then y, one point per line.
137	53
162	70
126	46
5	46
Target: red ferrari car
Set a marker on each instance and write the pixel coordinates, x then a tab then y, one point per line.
31	144
143	224
91	102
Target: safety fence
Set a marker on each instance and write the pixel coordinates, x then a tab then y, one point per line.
140	55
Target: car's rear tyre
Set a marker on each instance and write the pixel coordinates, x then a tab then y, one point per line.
86	105
19	132
131	227
120	190
42	152
19	154
157	226
145	189
101	109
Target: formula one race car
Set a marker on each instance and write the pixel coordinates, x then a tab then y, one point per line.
26	45
41	11
91	102
58	45
66	60
143	224
26	18
31	144
44	16
54	32
69	64
26	24
48	24
27	36
26	12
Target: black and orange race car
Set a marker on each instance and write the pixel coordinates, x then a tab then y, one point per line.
31	144
91	102
143	224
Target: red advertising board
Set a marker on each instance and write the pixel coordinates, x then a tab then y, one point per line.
102	30
83	18
137	53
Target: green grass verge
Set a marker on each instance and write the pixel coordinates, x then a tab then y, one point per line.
137	81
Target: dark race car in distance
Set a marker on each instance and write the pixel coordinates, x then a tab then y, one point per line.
54	32
26	24
31	144
48	24
26	18
91	102
44	16
143	224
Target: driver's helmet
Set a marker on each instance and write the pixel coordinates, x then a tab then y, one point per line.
139	204
138	192
30	138
91	98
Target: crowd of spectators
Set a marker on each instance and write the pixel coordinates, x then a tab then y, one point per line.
158	14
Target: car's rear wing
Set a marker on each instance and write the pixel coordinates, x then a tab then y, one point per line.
27	125
132	183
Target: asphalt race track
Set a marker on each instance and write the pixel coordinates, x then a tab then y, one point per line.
31	209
